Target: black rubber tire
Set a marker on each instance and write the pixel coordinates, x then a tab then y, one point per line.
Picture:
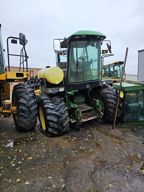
24	99
55	115
109	97
33	82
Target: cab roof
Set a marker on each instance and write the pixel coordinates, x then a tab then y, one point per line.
83	33
87	32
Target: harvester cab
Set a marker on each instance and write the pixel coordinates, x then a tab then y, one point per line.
81	55
80	91
84	58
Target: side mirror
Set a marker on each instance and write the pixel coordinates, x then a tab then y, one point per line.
14	41
22	39
109	48
58	57
104	51
59	44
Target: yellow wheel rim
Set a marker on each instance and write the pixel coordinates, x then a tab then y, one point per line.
42	119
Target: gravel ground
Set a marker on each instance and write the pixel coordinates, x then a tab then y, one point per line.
94	159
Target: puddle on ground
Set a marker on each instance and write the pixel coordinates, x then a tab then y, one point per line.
137	130
90	174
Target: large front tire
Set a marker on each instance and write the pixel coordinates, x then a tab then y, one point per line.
53	116
109	97
24	99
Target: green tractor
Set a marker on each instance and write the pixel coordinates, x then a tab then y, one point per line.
113	71
74	92
132	101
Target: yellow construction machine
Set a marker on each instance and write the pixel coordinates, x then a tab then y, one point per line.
15	93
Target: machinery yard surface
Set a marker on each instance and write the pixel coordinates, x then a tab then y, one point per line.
94	159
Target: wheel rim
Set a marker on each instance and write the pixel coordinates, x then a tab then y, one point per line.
42	119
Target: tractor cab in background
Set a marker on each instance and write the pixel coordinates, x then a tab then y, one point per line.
113	71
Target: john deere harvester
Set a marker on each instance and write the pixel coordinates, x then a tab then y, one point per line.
22	102
113	71
74	92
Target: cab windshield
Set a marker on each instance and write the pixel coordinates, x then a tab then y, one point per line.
113	70
84	61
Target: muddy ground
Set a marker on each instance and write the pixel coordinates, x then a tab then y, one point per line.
94	159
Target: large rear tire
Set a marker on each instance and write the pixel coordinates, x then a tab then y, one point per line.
53	116
24	99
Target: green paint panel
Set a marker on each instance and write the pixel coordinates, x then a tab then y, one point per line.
127	86
72	92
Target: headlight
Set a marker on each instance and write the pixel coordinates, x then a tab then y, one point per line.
61	89
104	82
55	90
121	94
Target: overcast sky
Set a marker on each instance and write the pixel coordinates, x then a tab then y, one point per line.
121	21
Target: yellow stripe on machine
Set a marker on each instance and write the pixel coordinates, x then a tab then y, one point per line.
14	75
